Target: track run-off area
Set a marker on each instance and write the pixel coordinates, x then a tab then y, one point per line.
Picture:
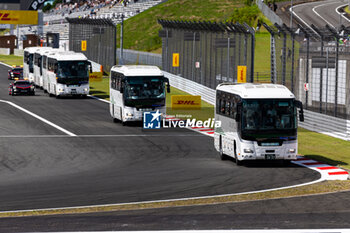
67	152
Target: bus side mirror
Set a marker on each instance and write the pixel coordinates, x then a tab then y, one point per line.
90	67
168	88
167	85
299	105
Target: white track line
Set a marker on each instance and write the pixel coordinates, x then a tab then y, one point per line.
293	12
39	118
163	201
314	10
4	64
337	10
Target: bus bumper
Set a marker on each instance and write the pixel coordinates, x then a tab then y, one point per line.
63	90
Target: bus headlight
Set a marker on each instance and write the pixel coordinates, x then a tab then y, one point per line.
60	90
292	150
248	151
128	114
85	89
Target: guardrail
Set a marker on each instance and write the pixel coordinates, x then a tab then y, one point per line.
321	123
193	88
138	57
272	16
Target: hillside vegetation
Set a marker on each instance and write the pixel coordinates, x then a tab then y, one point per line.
141	31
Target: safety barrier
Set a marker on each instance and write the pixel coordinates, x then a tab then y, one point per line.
321	123
138	57
193	88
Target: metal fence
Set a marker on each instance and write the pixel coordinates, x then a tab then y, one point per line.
100	37
319	78
140	58
324	69
206	52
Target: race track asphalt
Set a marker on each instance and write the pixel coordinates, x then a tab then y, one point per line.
42	167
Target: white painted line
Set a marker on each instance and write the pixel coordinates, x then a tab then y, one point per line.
337	10
306	24
314	10
96	98
101	136
39	118
4	64
164	201
233	231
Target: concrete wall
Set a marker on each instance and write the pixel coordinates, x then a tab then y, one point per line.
4	51
18	52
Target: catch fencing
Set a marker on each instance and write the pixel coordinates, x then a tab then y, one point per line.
207	53
96	38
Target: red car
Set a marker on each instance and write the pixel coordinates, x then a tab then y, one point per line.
15	73
21	87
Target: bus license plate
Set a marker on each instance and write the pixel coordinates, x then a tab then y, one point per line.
73	91
270	157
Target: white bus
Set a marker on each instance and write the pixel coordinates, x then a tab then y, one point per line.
38	65
44	79
135	89
258	122
28	63
68	74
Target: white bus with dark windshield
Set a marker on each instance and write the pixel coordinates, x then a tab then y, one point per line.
258	122
68	74
135	89
28	62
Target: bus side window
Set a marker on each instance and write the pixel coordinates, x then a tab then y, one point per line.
55	67
234	107
119	80
113	80
222	107
228	108
218	99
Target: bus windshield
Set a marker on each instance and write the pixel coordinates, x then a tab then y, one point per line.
144	87
73	69
265	117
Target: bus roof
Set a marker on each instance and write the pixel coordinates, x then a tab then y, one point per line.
67	56
138	70
32	49
257	91
45	50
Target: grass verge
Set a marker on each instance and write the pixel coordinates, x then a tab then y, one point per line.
11	60
318	188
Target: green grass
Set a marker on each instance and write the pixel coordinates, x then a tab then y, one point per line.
324	148
141	31
346	9
11	59
262	56
100	89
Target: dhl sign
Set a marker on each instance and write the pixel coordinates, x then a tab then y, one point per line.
95	77
186	101
18	17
